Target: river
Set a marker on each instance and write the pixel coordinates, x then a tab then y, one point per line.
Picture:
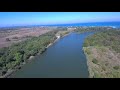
64	59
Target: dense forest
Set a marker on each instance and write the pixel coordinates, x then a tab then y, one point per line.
17	54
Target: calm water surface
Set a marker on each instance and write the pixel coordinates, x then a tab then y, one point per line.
64	59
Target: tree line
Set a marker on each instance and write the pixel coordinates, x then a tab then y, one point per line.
17	54
110	39
89	29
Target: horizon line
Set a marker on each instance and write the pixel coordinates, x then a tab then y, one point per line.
57	24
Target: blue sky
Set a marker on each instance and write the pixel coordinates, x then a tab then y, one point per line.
47	18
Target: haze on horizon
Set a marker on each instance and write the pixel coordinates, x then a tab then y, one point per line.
49	18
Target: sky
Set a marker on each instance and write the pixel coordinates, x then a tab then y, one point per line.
48	18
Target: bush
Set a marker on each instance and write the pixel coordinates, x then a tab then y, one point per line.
116	67
15	37
4	72
103	68
88	51
106	64
95	61
7	39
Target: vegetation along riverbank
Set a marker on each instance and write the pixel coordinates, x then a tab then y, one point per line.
102	51
12	58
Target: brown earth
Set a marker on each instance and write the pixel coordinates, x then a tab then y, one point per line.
106	62
19	35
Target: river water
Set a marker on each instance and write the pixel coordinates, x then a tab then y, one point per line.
64	59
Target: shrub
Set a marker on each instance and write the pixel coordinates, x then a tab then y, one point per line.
4	72
96	75
116	67
103	68
95	61
106	64
88	51
15	37
7	39
103	49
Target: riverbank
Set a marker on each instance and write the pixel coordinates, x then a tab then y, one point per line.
61	60
10	72
57	40
102	62
15	56
103	59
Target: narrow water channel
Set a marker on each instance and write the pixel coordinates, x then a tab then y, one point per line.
64	59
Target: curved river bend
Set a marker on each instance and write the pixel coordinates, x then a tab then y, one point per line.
64	59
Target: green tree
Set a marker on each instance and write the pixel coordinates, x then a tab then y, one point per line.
18	58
